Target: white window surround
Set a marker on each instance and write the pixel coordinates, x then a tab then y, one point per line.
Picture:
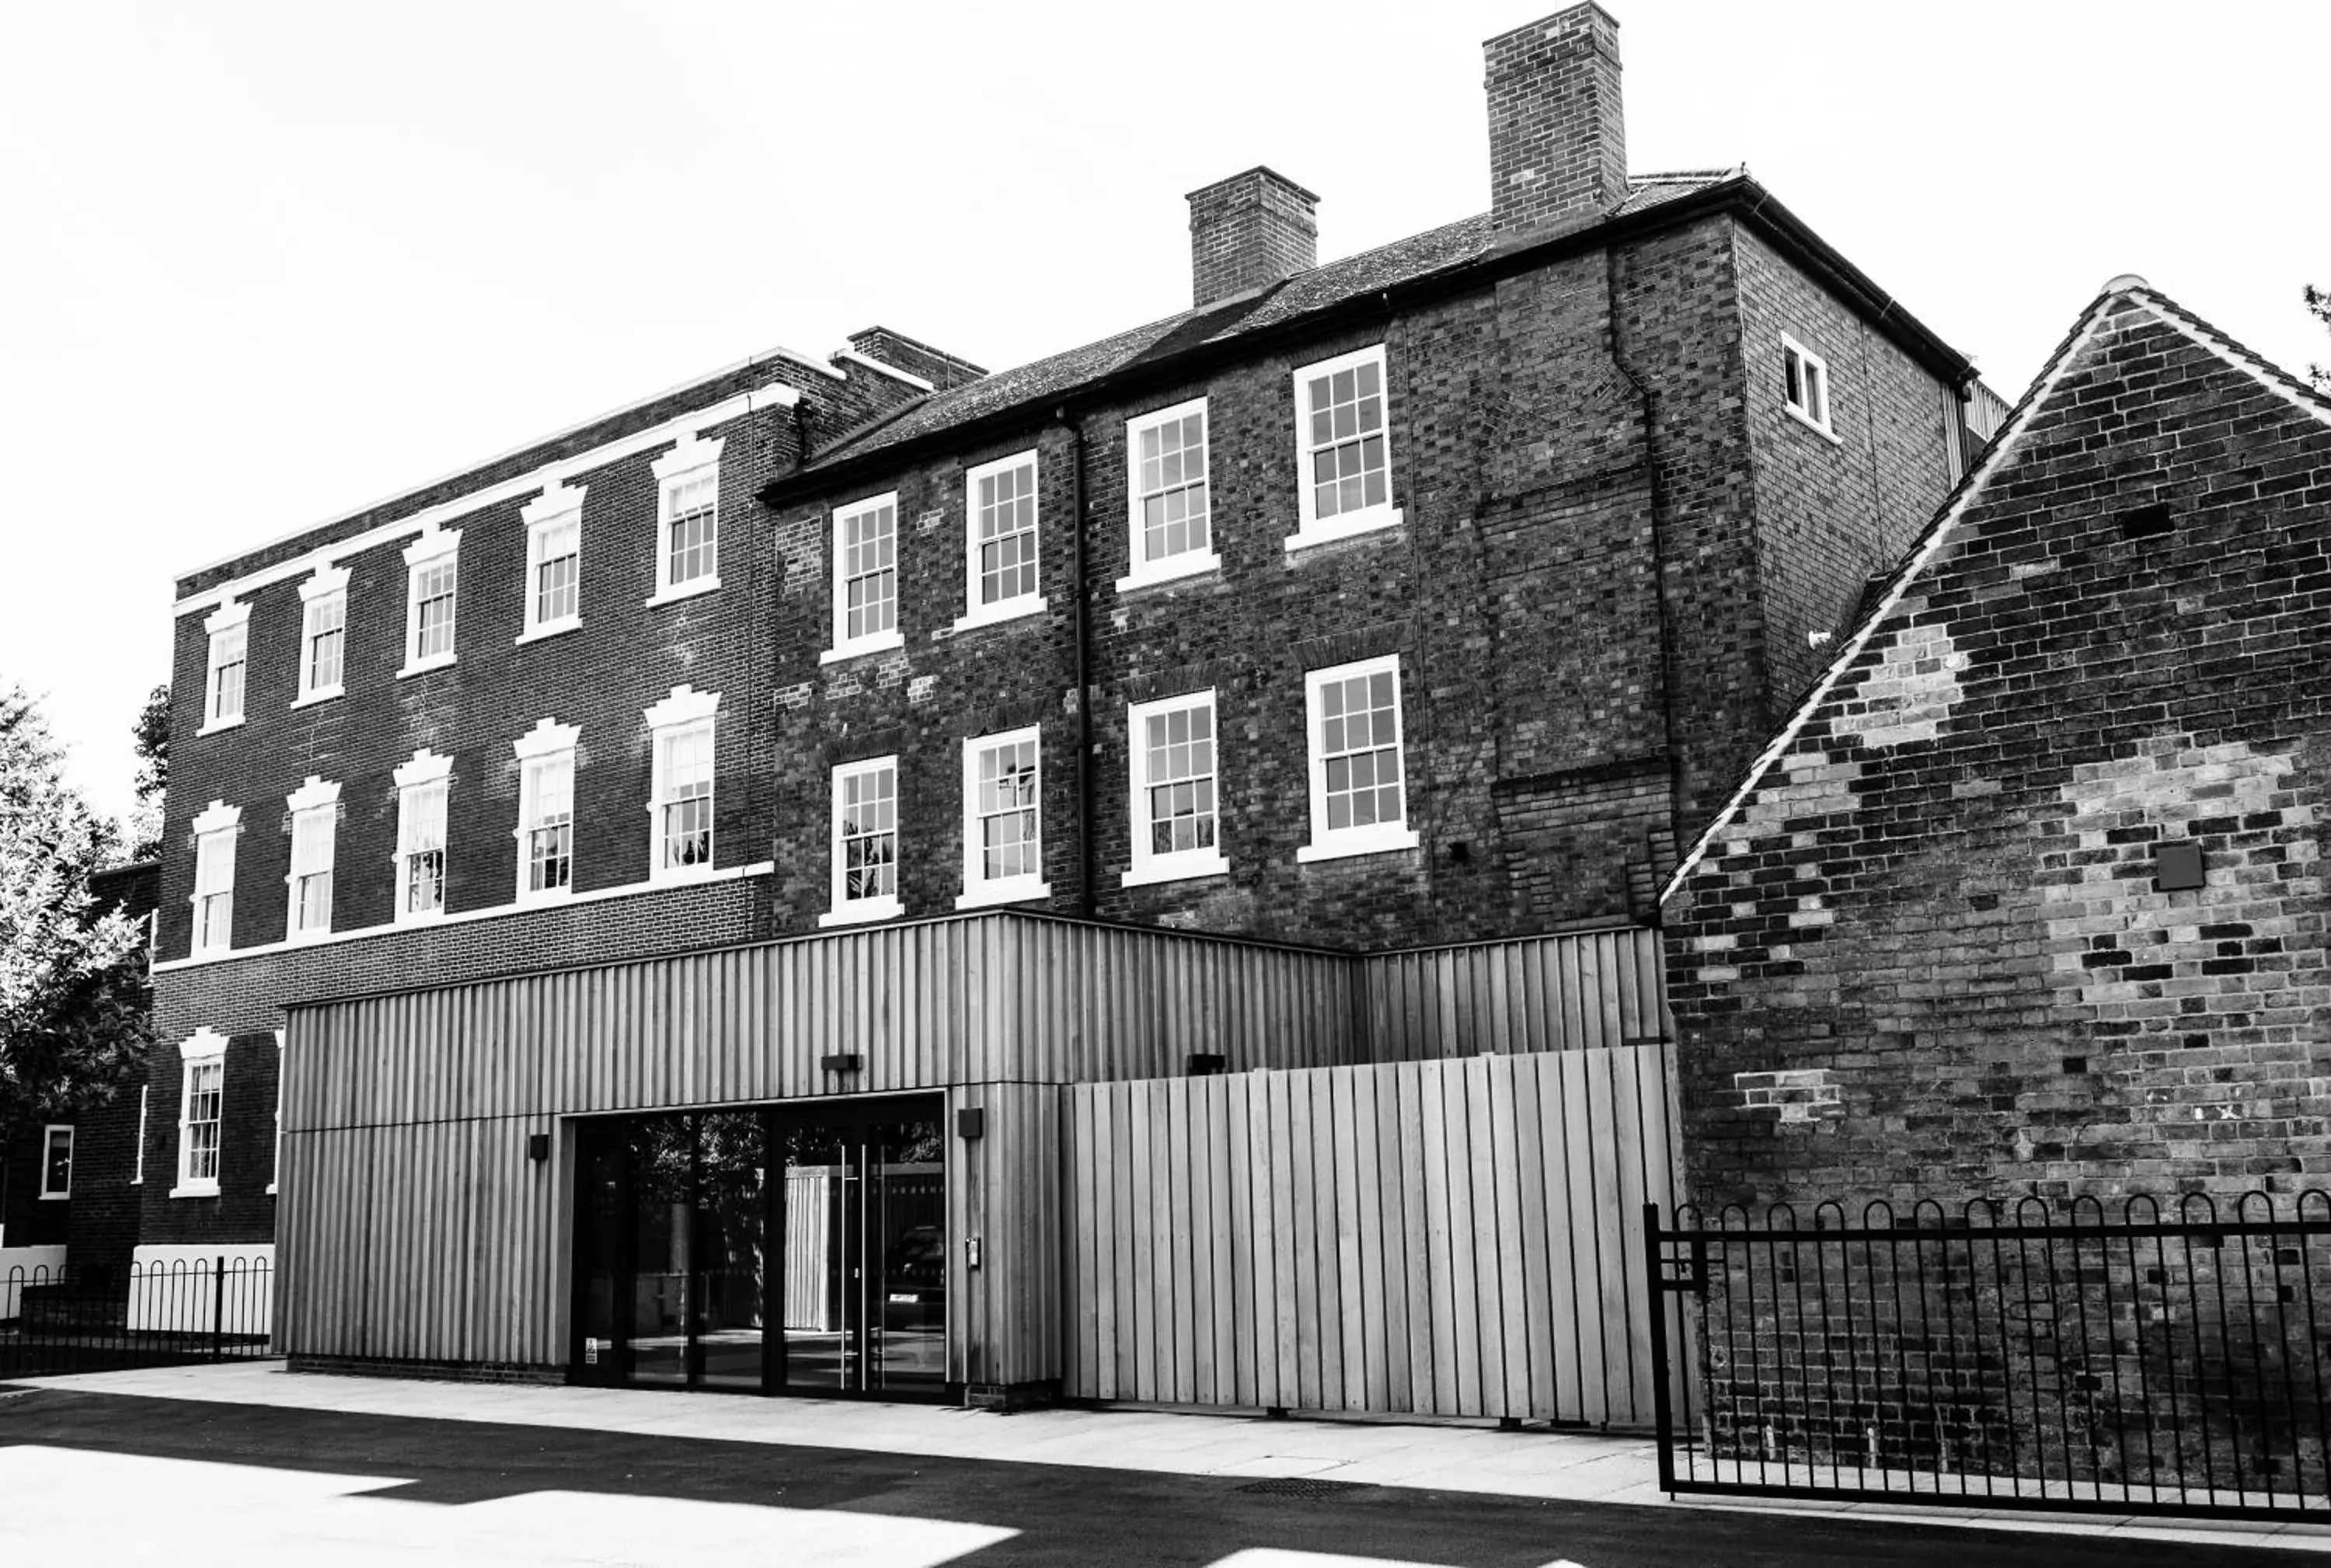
48	1154
684	714
233	617
1147	864
978	888
275	1171
685	462
138	1154
1804	386
426	774
1310	528
215	829
841	909
434	547
976	613
318	594
1144	571
557	506
316	805
843	645
205	1049
547	743
1367	839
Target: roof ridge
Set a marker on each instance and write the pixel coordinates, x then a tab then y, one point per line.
2211	337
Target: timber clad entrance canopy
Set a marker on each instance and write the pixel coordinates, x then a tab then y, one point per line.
453	1158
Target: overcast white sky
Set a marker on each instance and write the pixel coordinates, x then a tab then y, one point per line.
264	263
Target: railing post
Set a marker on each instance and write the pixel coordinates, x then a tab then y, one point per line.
218	1306
1663	1409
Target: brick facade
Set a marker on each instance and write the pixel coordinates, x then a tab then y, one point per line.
1940	949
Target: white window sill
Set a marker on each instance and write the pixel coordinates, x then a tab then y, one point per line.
301	938
549	629
862	912
420	917
688	589
310	699
424	666
1811	424
531	898
1009	890
671	876
195	1190
1376	840
216	726
1174	868
215	950
882	643
56	1197
270	1189
1345	526
1173	569
997	614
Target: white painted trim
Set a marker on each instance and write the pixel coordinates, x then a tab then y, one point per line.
431	549
554	508
221	726
557	499
425	767
215	816
892	371
686	705
1144	866
726	874
1143	571
693	587
200	1048
215	830
841	645
548	630
235	612
47	1131
138	1156
323	694
1375	838
316	792
426	772
863	912
549	736
323	581
275	1170
1820	369
776	395
205	1044
327	584
431	543
1309	528
975	612
1945	530
2138	291
979	892
424	666
317	797
686	709
232	619
841	911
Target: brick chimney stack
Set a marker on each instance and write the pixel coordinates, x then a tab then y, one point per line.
1558	139
1249	229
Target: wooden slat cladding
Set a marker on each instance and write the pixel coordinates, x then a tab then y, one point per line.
1454	1238
923	1006
1581	990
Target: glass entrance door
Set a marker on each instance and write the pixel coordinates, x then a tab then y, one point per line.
779	1248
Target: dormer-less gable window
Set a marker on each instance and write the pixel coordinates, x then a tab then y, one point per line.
1000	542
1343	448
679	806
432	570
1805	385
1166	484
688	519
214	830
315	809
323	633
423	787
229	629
553	561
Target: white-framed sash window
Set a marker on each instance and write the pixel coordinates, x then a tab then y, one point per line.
1002	819
1001	581
865	842
1805	385
1359	786
545	810
1174	763
423	788
229	660
202	1097
215	830
688	519
553	561
431	576
1169	521
323	635
56	1161
865	552
315	808
681	805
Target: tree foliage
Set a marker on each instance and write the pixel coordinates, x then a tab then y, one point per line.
2319	300
150	736
74	1005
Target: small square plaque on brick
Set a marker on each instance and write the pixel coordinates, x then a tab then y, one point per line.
2177	866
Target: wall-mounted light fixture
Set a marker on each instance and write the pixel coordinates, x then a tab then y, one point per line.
842	1061
538	1146
971	1122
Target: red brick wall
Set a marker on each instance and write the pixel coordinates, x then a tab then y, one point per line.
1929	958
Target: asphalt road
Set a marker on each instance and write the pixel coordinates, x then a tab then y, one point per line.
104	1479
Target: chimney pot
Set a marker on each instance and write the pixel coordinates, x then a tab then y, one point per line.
1249	229
1558	138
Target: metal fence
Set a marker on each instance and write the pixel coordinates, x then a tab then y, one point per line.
96	1319
2167	1359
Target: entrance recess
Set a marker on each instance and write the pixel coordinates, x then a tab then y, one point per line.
795	1249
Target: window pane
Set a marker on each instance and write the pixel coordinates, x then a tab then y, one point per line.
326	620
693	541
433	596
1359	750
870	577
1173	488
687	801
1005	532
1006	810
557	572
869	846
1349	469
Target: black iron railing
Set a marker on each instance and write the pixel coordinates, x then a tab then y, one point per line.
95	1319
2170	1358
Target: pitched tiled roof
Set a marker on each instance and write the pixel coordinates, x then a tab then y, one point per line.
1354	277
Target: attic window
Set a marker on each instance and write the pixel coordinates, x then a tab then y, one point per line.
1804	384
2146	522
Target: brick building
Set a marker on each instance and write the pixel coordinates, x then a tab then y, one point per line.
2027	898
1430	596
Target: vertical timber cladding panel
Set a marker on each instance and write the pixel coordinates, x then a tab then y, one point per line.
1003	1322
1580	990
1451	1238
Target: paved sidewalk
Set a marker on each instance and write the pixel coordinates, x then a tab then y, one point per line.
1445	1458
